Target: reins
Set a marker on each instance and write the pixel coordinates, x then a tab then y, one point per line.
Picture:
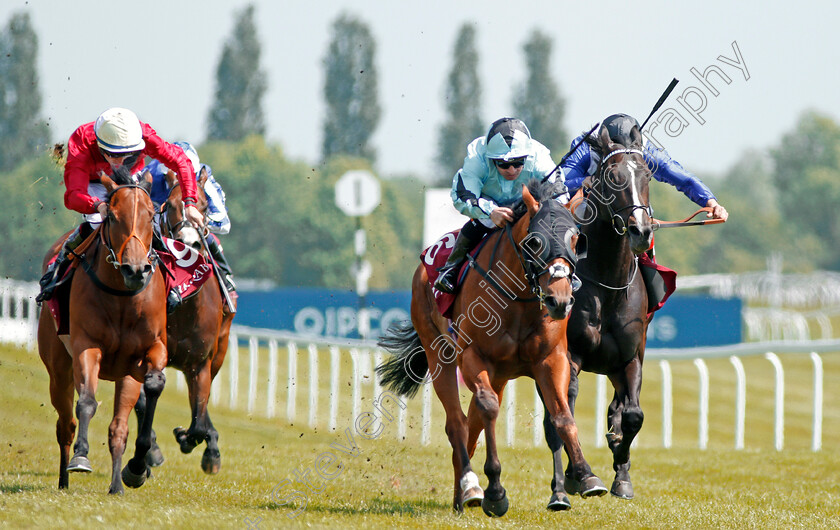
657	224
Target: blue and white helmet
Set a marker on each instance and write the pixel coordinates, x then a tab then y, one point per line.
192	154
508	139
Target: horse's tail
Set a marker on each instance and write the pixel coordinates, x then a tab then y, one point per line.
404	371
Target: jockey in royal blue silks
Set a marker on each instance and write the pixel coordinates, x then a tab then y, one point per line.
217	216
490	181
584	162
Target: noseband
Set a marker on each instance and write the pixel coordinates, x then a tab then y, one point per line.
618	222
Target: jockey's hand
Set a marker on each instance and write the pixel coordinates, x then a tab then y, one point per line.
194	216
501	216
718	211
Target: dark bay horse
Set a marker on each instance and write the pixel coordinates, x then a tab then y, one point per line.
117	323
197	335
503	332
608	325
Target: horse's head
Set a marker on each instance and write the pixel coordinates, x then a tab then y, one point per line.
174	222
551	249
127	229
620	189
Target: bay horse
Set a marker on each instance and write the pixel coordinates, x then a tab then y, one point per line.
607	329
197	335
117	324
502	333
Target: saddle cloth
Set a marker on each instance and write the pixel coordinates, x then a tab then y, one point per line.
189	271
435	257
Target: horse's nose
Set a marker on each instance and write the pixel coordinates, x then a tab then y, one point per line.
135	276
557	309
640	237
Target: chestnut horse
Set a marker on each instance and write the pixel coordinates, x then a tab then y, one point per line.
608	325
502	333
197	336
117	323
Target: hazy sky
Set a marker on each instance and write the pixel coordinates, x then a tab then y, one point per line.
159	58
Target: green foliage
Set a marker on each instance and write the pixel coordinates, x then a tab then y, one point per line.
287	228
240	84
22	132
463	106
350	91
34	216
538	101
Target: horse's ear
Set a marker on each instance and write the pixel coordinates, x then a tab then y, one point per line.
109	184
202	177
530	202
635	137
170	178
145	181
604	138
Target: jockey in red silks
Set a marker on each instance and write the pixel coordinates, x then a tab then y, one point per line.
117	138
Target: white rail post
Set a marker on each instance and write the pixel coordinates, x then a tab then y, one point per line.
600	410
377	360
253	372
357	383
313	385
510	405
816	440
779	436
538	418
740	400
291	347
703	427
667	404
271	398
233	372
335	359
425	435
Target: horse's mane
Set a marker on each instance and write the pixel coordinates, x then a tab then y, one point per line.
540	190
122	176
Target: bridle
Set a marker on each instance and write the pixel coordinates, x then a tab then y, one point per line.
618	222
164	211
113	258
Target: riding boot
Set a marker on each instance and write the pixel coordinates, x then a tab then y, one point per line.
216	251
449	272
49	281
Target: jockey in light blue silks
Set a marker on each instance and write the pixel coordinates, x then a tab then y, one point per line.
490	181
584	162
218	221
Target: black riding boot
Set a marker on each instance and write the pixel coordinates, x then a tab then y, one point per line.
449	272
216	251
49	281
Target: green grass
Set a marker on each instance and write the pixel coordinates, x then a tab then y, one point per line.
404	484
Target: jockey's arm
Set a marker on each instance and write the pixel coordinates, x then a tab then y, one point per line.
578	166
666	169
466	196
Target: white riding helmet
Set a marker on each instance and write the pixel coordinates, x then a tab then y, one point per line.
118	131
508	139
192	154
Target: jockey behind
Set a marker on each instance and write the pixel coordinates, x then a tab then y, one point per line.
495	169
584	162
117	138
217	215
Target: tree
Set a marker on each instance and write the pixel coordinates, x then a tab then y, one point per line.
240	84
463	105
537	100
22	132
351	91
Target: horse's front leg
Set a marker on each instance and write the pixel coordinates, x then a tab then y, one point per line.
136	471
201	428
625	421
154	457
86	379
126	393
552	375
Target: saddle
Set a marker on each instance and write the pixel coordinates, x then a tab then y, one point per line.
434	258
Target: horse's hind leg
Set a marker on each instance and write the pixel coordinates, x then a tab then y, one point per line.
552	377
625	420
86	378
60	367
126	392
201	428
154	457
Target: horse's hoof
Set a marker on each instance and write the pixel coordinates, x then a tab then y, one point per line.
571	485
154	457
592	486
622	489
559	502
473	497
211	461
495	508
133	480
79	464
182	437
